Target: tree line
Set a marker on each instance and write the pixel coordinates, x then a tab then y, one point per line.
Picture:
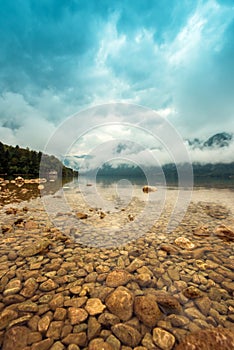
25	162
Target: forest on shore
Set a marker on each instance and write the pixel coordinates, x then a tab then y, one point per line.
15	161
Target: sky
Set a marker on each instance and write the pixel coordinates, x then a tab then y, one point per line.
60	57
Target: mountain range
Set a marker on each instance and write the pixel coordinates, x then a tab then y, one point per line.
219	140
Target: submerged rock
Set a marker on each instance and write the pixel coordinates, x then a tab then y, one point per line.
126	334
163	339
120	303
202	231
192	292
81	216
146	309
147	189
34	248
224	231
209	339
118	278
184	243
168	303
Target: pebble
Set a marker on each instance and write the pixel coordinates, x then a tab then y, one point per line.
13	287
94	306
184	243
163	339
147	311
192	292
126	334
118	278
168	303
77	315
120	303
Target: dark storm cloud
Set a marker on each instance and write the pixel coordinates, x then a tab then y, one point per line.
57	57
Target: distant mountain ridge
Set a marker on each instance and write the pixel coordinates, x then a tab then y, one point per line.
219	140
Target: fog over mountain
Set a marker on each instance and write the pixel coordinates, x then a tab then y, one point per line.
219	148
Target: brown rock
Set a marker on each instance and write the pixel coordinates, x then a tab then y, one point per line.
163	339
94	306
77	315
33	322
39	246
75	338
30	287
224	231
28	306
54	330
114	342
135	264
13	287
146	309
216	211
43	344
56	302
6	228
13	299
168	303
60	314
43	323
178	320
99	344
30	225
20	321
34	337
229	286
6	317
75	302
147	189
203	304
108	319
118	278
48	285
12	256
169	248
209	339
59	346
192	292
126	334
81	216
120	303
184	243
147	341
144	279
202	231
94	328
12	336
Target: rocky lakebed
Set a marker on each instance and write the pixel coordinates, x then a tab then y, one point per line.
100	278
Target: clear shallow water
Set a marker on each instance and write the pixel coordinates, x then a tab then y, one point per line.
89	250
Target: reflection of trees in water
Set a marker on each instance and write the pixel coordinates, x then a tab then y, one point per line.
11	192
